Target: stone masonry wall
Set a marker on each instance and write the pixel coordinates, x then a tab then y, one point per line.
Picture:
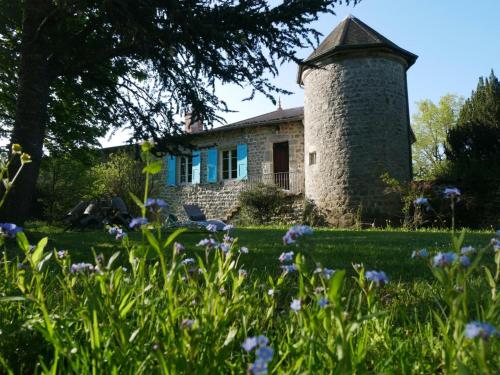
217	200
356	120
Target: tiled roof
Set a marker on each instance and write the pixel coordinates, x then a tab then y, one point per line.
278	116
353	34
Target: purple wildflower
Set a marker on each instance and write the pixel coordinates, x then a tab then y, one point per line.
377	277
207	242
211	227
228	227
295	232
262	340
178	247
265	353
451	192
61	254
225	247
188	323
289	268
155	203
250	343
286	257
444	259
81	267
187	261
137	222
421	201
242	273
326	272
259	367
9	230
466	250
120	234
322	302
422	253
464	261
479	329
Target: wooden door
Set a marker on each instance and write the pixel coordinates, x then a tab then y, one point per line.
281	165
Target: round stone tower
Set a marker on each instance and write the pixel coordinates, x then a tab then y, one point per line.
356	124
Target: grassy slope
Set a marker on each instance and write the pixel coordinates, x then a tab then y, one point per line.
389	251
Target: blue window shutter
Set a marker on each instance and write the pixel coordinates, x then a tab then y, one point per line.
172	162
241	153
212	165
196	167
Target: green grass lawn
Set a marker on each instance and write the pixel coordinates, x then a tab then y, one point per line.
389	251
410	325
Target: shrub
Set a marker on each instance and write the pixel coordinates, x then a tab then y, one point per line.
119	175
264	204
63	182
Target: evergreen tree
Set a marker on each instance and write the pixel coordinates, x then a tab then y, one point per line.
71	70
476	138
473	152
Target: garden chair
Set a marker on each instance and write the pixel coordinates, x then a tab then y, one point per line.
195	214
197	220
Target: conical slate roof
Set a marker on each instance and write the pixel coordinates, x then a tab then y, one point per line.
353	34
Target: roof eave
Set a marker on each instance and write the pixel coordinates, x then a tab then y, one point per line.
409	57
252	124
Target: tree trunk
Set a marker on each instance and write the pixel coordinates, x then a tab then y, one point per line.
31	110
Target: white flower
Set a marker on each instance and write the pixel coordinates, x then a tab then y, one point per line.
296	305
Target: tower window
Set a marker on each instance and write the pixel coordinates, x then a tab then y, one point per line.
312	158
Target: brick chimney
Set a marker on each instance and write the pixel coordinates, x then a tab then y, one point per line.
192	127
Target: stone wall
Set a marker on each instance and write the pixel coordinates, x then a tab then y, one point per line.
218	200
356	120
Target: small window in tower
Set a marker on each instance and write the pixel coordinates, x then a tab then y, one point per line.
312	158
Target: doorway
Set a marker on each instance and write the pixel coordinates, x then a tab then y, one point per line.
281	165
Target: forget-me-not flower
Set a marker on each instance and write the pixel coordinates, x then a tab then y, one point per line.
137	222
444	259
377	277
479	329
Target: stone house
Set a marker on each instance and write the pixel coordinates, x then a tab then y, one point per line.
353	128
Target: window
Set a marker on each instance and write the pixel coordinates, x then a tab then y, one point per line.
229	164
312	158
186	169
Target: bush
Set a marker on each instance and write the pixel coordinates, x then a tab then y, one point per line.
63	182
264	204
119	175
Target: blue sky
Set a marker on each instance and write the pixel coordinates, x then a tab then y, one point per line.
457	41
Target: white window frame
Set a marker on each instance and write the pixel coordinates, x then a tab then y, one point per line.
186	177
231	168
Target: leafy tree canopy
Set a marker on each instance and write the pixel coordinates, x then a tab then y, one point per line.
431	124
70	70
137	64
